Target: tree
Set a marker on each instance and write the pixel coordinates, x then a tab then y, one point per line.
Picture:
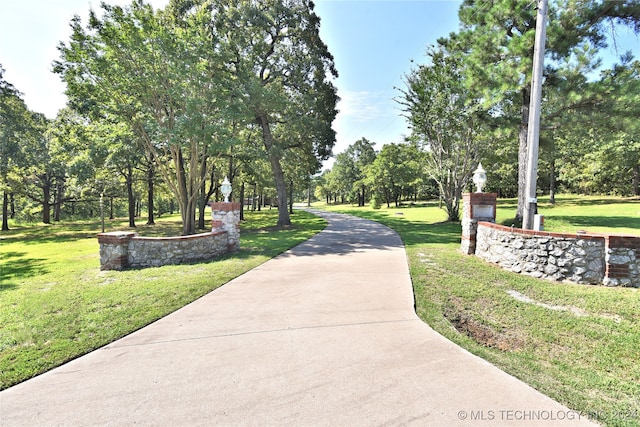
446	120
599	150
497	39
395	169
15	126
46	172
160	74
283	65
350	168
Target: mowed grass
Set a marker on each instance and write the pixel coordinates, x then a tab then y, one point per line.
589	213
56	304
583	352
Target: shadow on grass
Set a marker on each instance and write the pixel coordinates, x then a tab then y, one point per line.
599	221
14	264
585	222
67	232
595	201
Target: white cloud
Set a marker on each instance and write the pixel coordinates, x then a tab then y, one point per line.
365	114
362	106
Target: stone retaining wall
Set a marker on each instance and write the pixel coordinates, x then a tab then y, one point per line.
587	258
475	207
623	261
119	250
226	216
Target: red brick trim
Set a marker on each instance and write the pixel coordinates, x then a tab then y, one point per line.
585	236
225	206
115	237
617	271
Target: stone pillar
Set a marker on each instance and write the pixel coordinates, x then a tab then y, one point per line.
475	207
622	261
114	249
225	216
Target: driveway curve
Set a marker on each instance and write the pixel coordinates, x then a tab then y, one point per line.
324	334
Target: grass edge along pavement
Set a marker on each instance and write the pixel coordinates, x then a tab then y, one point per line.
56	304
577	344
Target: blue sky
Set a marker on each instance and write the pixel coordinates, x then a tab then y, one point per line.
373	42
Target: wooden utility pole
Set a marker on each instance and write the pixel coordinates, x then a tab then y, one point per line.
533	133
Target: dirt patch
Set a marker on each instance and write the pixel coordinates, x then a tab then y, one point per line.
483	334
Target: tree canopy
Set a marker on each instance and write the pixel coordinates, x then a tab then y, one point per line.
189	79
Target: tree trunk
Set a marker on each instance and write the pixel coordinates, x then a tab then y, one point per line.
253	198
202	195
46	198
58	199
5	211
636	180
552	182
150	195
278	174
12	206
291	197
242	202
187	204
130	197
522	153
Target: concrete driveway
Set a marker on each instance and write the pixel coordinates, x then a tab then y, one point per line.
325	334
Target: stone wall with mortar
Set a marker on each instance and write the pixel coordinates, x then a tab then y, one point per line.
225	216
114	249
622	261
586	258
119	250
158	251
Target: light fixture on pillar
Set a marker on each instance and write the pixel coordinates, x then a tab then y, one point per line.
226	189
479	178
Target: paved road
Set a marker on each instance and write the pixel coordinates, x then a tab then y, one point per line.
324	334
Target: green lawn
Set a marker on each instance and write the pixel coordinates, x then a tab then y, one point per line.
56	304
590	213
584	353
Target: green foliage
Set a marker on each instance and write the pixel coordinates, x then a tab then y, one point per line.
349	170
192	82
18	129
396	168
159	76
375	202
497	39
445	121
284	70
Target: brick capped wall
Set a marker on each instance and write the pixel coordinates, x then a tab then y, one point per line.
475	207
585	258
120	250
622	261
